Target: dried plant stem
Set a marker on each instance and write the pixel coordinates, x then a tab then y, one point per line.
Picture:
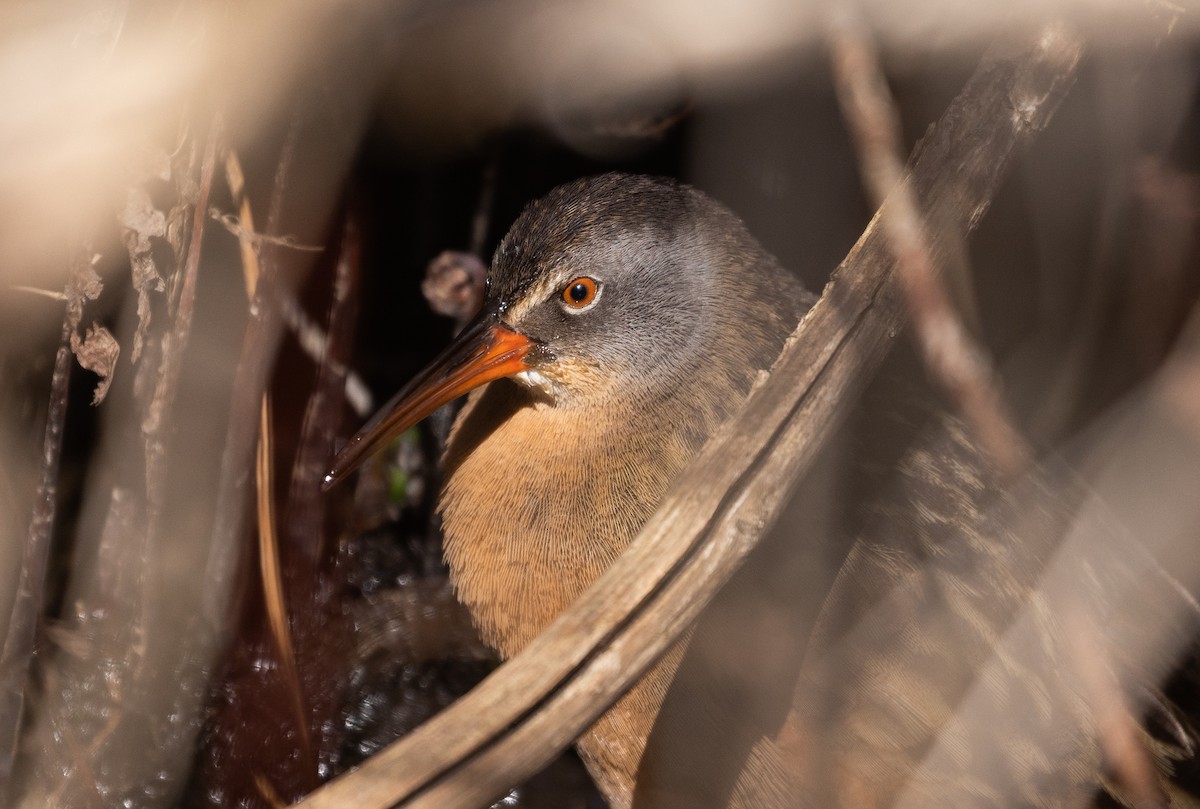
306	508
175	345
952	355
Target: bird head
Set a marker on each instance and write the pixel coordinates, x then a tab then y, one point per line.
611	288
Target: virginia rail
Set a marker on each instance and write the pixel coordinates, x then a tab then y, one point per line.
631	316
624	319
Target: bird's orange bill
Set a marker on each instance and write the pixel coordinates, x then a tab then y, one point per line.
486	350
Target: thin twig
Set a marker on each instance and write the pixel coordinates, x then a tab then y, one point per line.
244	229
306	508
235	178
314	341
45	293
953	356
542	699
17	654
309	334
175	344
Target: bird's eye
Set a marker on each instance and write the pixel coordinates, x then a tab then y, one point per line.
580	293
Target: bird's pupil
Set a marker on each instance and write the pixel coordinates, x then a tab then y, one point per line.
578	292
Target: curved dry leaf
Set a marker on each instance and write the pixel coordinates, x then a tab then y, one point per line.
97	352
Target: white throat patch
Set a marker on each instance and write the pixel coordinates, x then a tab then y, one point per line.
534	379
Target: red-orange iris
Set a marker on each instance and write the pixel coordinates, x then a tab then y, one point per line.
580	292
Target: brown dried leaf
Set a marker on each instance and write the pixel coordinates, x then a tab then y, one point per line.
85	286
98	352
141	217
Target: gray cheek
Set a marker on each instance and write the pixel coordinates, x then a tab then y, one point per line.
640	322
657	333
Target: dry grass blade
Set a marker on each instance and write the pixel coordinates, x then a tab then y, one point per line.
236	179
272	578
538	702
